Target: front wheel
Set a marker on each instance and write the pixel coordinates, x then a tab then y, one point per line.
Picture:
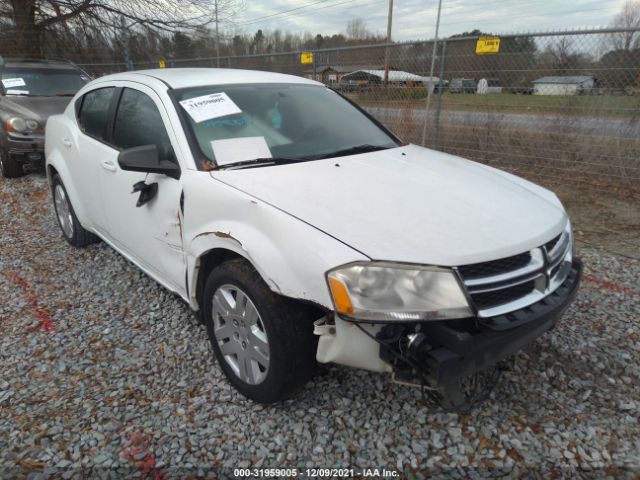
264	343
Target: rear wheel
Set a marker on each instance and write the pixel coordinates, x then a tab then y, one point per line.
69	224
264	343
9	167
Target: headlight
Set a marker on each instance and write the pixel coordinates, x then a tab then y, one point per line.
384	291
16	124
20	125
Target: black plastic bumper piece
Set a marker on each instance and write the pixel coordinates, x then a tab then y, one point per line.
464	353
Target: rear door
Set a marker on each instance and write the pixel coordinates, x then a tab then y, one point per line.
86	149
150	233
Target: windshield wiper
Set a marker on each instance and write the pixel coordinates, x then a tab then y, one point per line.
365	148
260	162
265	162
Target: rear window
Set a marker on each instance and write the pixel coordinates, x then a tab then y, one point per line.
94	112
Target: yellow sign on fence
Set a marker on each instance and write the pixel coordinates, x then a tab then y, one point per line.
306	58
487	45
162	64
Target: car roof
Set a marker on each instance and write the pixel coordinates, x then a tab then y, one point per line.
194	77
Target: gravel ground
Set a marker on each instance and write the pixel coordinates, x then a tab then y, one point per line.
104	373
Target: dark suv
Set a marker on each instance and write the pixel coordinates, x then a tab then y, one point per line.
30	92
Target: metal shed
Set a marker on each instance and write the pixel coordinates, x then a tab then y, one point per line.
396	77
563	85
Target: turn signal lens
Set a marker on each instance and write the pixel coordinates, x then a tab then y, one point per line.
340	296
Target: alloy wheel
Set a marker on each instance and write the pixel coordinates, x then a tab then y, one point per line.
240	334
63	210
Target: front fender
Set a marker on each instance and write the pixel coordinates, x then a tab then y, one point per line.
290	255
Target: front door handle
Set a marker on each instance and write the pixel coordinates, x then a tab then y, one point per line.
67	143
109	165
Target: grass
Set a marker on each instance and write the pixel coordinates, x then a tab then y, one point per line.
576	105
563	154
596	176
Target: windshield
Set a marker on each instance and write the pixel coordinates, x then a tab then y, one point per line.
41	81
236	123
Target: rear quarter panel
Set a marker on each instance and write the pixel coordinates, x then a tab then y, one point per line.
59	127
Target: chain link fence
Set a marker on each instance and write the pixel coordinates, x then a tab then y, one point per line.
559	108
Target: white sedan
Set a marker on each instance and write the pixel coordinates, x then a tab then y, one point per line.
301	230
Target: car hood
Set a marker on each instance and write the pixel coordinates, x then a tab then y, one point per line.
36	108
410	204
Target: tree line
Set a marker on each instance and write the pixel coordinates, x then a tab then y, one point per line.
143	32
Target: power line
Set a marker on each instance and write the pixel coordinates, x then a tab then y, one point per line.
286	14
255	20
530	14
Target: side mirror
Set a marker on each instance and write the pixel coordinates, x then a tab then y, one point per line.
146	159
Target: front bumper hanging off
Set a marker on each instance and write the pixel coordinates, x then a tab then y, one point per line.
450	351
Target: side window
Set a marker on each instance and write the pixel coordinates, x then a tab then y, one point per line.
138	122
94	112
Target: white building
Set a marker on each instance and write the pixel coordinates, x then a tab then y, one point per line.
563	85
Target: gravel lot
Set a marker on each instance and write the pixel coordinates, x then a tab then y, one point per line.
104	373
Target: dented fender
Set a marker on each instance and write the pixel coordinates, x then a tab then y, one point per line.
290	255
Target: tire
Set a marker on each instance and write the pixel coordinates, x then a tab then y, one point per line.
9	167
71	229
277	340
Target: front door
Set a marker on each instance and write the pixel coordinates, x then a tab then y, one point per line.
150	233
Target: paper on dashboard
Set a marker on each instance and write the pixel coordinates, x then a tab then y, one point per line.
232	150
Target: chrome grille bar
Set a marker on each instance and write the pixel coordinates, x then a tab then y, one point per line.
548	267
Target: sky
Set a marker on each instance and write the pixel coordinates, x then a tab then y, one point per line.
415	19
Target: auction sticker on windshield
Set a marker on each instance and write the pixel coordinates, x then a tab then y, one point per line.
210	106
13	82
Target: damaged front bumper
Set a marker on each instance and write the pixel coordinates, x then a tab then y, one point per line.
439	354
456	353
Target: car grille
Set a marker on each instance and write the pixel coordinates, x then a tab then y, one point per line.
549	245
485	269
508	284
503	295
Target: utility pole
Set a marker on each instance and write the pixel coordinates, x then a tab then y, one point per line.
217	37
433	66
387	52
125	44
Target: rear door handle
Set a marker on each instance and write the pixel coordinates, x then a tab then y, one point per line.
109	165
67	143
